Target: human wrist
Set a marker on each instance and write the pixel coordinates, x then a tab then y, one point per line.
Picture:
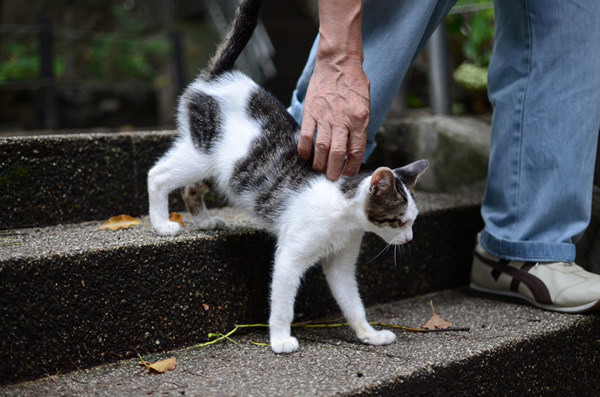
340	31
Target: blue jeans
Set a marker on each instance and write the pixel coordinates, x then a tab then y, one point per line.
394	34
544	85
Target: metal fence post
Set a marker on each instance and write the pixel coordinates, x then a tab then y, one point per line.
439	72
49	106
180	72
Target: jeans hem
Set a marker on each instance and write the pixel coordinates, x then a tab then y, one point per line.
528	251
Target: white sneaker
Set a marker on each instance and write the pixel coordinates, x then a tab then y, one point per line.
557	286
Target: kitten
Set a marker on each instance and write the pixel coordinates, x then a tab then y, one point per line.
237	136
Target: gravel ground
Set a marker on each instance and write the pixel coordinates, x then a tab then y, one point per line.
71	238
332	362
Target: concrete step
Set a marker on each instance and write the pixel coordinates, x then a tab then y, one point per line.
74	296
509	350
48	180
57	179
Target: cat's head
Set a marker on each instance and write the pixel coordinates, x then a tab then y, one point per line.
390	206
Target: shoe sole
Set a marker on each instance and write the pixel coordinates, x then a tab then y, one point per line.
516	297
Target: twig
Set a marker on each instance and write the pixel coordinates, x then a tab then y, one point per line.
193	373
211	336
337	325
465	329
224	336
164	285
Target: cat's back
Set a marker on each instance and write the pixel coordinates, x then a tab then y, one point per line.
208	109
250	141
271	172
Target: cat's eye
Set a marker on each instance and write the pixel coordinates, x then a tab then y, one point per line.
401	224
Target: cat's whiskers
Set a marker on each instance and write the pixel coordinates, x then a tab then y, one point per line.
381	252
429	195
416	246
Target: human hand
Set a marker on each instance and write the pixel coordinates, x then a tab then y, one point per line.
337	105
337	101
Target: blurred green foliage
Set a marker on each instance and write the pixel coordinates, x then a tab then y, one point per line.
474	31
471	76
22	62
106	56
471	35
113	58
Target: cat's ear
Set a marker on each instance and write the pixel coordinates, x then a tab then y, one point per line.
409	174
383	181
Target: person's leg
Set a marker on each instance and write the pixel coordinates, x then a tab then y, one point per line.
544	85
394	33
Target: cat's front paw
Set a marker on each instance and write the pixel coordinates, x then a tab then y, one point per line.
168	229
378	338
284	345
214	223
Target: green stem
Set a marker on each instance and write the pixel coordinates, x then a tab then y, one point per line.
337	325
221	338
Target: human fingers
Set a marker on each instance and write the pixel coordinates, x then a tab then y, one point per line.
307	131
357	138
357	143
322	147
354	160
337	153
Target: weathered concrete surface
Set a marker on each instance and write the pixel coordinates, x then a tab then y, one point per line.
73	178
456	147
48	180
510	350
73	296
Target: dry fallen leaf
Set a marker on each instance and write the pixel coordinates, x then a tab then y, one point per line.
175	217
205	306
160	366
436	322
119	222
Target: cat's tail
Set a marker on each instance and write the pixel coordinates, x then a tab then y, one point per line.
239	34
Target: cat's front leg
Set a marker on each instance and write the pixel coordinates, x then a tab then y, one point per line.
287	275
340	272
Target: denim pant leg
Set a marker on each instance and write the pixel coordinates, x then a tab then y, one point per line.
544	85
394	33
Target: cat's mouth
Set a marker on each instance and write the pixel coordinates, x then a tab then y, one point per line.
400	240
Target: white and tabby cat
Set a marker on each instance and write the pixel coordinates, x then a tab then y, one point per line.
238	137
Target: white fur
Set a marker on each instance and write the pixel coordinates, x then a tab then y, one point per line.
318	223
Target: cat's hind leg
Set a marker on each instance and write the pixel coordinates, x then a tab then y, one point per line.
340	272
179	167
193	195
